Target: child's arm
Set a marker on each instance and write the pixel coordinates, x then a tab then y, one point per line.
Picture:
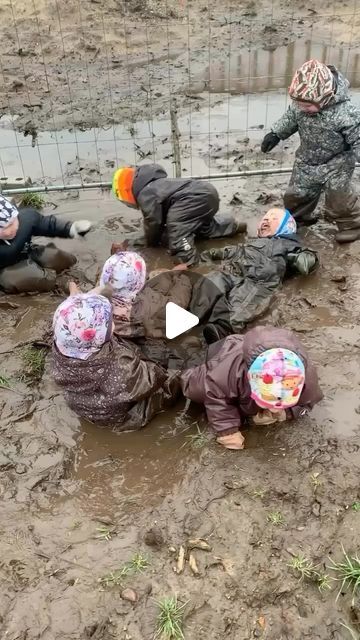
52	227
181	291
285	127
351	128
151	208
226	253
304	261
145	377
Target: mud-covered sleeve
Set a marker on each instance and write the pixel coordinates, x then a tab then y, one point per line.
181	291
222	414
287	125
351	127
224	253
143	376
31	223
310	395
304	261
151	208
48	226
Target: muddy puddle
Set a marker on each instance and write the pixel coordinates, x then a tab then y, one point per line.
212	129
77	501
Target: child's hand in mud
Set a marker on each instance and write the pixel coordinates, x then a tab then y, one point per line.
233	441
73	289
180	267
119	246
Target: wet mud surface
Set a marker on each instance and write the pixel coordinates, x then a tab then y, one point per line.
77	502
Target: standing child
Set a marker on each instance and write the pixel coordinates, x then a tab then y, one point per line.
181	209
267	369
328	124
105	381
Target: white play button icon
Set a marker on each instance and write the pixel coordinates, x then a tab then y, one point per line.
178	320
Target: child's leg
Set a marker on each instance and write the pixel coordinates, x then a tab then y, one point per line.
221	226
50	257
27	277
303	193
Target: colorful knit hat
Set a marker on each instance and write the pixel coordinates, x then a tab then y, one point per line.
122	185
276	377
8	212
82	324
313	82
276	222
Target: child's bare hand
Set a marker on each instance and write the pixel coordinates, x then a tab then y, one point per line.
74	289
180	267
119	246
232	441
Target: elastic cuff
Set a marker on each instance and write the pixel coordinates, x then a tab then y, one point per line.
227	432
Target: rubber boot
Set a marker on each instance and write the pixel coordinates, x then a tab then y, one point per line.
302	206
343	208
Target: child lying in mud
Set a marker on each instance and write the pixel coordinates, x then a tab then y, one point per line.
266	374
176	210
139	307
25	267
105	381
251	273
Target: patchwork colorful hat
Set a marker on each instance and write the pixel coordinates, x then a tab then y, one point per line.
277	378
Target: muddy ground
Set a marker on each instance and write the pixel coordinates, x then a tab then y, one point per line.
78	502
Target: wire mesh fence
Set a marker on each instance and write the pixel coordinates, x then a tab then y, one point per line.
87	85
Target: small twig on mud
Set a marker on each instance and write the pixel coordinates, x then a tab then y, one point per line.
220	497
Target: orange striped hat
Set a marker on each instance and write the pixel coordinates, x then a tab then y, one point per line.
122	185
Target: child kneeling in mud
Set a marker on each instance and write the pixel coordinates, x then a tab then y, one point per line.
25	267
105	381
266	374
251	272
177	210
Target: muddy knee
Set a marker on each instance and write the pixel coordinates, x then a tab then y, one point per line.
27	277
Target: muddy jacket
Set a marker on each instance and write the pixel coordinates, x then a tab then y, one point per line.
222	385
148	311
327	134
249	277
183	206
115	387
266	259
31	223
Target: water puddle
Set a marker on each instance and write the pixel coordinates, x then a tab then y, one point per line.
130	469
255	82
259	70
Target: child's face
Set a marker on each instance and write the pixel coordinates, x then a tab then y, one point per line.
308	107
9	232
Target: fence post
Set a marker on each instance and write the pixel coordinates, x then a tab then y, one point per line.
175	138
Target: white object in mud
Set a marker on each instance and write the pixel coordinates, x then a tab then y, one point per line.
178	320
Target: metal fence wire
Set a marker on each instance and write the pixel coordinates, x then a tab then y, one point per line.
89	85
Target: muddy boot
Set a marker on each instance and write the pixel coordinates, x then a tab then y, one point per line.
343	208
50	257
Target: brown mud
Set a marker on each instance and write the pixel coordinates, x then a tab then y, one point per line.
77	501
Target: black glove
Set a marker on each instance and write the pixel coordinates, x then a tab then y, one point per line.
270	141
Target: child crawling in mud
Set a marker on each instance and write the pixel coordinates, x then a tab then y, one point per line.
26	267
176	211
265	374
250	274
105	380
